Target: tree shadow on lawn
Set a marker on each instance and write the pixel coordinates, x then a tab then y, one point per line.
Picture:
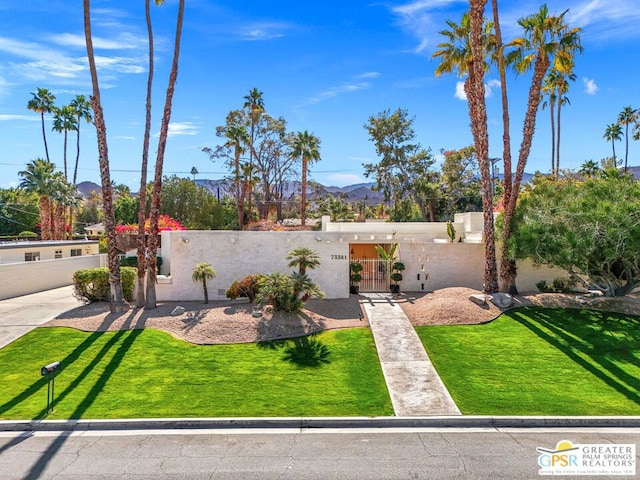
594	334
129	338
305	351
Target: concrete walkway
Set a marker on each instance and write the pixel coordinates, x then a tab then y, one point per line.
414	385
20	315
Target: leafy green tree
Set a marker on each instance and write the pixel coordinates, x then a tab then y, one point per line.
201	273
613	133
460	185
42	102
589	228
403	172
190	204
126	209
64	121
306	147
18	211
336	208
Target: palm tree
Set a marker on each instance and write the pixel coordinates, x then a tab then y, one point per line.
626	117
37	179
64	120
562	89
42	102
82	110
117	304
547	40
150	301
201	273
304	258
589	168
613	133
305	146
469	44
237	137
549	90
255	105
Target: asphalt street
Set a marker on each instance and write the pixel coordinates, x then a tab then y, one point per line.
400	453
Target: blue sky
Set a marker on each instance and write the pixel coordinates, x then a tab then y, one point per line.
325	66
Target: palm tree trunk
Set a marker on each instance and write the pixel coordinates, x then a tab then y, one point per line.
626	150
613	146
554	172
474	88
303	193
157	183
64	155
117	303
239	195
558	140
206	292
44	136
141	244
45	217
75	168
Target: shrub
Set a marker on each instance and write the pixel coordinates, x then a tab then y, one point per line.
559	285
27	234
92	284
543	286
287	293
248	287
133	262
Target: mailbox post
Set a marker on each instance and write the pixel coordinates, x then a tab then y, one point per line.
49	371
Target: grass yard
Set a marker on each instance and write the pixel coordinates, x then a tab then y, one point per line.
148	373
537	361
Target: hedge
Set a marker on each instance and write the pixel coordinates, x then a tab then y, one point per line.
92	284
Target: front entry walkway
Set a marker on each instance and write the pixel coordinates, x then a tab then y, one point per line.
413	383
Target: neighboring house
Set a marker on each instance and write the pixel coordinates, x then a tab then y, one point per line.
17	252
95	230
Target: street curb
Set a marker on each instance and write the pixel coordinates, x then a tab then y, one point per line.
319	423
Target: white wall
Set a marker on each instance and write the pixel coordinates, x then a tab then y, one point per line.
29	277
14	251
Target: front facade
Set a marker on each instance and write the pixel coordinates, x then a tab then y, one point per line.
431	260
17	252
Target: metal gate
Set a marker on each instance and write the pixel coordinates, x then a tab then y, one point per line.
375	274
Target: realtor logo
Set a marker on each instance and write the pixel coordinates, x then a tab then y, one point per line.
568	458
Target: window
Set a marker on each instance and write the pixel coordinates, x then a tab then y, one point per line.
58	254
76	252
31	256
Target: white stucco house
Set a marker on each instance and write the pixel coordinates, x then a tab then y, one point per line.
432	261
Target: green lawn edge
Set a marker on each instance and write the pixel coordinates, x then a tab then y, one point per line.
541	361
148	373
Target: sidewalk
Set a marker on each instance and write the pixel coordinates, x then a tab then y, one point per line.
20	315
414	385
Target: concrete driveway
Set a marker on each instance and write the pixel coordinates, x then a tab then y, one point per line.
20	315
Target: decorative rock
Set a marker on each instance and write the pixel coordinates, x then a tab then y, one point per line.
595	293
177	311
478	299
502	300
256	313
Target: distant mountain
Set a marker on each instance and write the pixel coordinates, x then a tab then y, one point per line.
85	188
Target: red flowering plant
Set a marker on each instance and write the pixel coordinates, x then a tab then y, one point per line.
165	222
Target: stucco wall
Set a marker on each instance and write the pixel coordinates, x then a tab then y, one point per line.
14	251
29	277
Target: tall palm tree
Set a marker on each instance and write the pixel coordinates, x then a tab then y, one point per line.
549	88
201	273
562	89
306	147
141	244
82	110
37	179
254	104
150	301
42	102
613	133
626	117
469	44
237	137
117	302
547	40
64	121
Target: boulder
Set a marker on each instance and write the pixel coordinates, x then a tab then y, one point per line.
478	299
595	293
177	311
256	313
502	300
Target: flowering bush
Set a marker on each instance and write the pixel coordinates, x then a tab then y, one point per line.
247	287
165	222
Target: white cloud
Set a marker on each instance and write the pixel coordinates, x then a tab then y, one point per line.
342	179
123	41
369	75
590	86
335	91
182	128
460	94
264	30
5	117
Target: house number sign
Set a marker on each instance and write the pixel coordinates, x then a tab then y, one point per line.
338	257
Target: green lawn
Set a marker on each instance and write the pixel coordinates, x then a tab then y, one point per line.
535	361
148	373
